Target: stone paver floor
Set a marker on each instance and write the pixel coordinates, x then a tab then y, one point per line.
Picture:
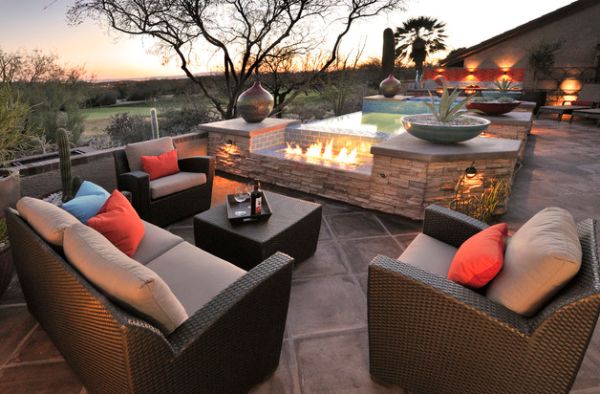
325	348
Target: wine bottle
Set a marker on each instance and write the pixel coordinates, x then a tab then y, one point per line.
256	199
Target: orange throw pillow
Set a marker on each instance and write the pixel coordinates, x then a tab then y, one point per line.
161	165
480	258
119	223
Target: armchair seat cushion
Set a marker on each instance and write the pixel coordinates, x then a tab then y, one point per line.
193	275
429	254
167	185
156	241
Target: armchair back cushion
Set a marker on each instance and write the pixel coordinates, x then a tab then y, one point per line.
541	257
48	220
136	150
123	279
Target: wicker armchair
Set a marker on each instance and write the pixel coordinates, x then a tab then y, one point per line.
173	207
228	346
430	335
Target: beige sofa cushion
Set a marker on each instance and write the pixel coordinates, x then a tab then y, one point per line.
429	254
175	183
540	258
48	220
135	151
121	278
156	241
194	275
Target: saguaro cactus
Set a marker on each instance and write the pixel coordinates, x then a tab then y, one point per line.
154	123
388	54
64	154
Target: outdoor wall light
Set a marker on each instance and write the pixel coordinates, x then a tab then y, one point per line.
230	143
470	172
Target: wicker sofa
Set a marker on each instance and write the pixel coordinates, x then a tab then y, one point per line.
430	335
153	200
230	343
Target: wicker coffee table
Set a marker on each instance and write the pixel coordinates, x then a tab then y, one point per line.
292	229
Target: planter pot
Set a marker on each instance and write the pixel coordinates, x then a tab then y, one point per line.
6	268
461	129
389	87
255	104
493	108
496	94
10	189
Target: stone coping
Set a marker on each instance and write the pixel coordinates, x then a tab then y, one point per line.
42	166
527	105
383	98
239	126
514	118
405	146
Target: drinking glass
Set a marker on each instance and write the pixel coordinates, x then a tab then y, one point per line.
242	194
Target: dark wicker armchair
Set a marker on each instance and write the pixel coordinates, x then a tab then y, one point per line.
229	345
430	335
173	207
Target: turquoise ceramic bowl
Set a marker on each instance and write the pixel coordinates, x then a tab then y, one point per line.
444	134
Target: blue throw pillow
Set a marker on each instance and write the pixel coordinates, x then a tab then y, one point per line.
88	188
85	207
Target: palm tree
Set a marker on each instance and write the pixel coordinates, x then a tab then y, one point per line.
419	37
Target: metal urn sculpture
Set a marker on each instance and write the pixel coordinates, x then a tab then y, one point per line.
255	104
389	87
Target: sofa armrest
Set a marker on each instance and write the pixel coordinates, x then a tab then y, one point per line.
450	226
205	164
138	184
411	294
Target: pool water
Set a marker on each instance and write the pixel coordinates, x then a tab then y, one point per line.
374	125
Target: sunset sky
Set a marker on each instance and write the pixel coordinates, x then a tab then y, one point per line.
41	24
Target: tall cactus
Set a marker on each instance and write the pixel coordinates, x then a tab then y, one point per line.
154	124
64	154
388	54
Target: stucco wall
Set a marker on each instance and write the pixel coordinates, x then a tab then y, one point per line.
579	31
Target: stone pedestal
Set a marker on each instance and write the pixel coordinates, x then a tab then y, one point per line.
514	125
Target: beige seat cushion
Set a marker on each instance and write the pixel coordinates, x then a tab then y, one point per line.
175	183
429	254
48	220
123	279
540	258
135	151
194	276
156	241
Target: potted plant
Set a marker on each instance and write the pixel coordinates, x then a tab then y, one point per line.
6	266
488	106
14	135
447	123
504	88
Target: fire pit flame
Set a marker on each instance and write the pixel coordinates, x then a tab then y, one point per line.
317	150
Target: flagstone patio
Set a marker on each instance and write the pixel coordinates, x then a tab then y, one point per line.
325	347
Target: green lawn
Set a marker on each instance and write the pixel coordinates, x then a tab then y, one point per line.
106	112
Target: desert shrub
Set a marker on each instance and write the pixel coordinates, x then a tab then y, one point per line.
103	99
125	129
184	120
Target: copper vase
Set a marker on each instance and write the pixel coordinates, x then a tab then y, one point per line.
255	104
389	87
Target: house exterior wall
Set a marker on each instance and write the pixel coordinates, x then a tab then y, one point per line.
579	31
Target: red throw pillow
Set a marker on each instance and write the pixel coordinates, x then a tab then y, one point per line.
161	165
119	223
479	258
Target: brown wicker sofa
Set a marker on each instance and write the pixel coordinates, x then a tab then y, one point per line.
167	208
430	335
230	343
